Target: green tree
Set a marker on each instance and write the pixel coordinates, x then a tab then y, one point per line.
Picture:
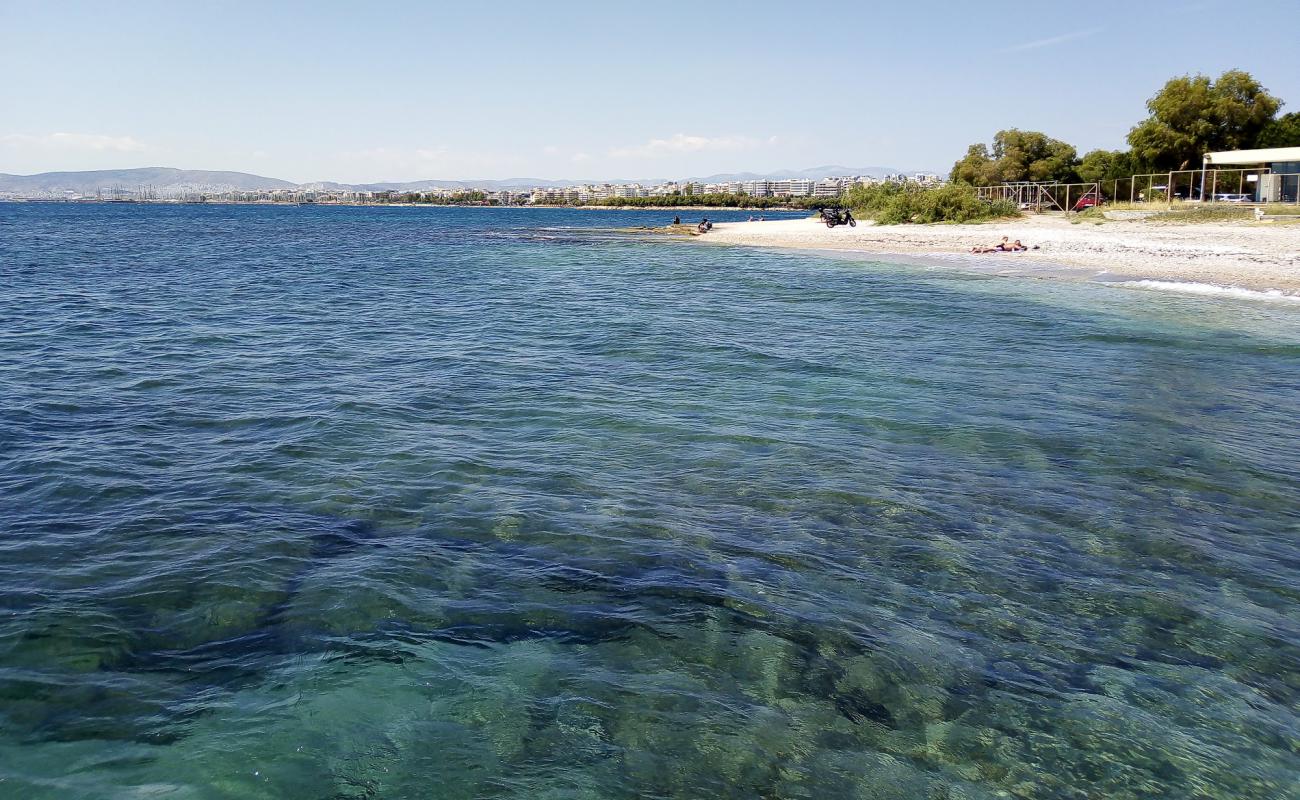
976	168
1194	115
1017	156
1106	165
1281	132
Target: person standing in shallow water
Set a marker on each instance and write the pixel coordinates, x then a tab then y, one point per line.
677	220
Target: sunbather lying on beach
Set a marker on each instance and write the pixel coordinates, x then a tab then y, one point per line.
1003	247
997	248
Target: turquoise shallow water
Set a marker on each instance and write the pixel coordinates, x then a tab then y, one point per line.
409	503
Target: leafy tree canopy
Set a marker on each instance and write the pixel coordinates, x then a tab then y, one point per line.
1017	156
1281	132
1191	116
1106	165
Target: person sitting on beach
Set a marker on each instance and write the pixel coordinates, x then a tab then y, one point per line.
705	225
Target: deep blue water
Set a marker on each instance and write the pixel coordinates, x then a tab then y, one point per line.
463	503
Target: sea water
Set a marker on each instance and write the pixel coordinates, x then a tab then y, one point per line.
463	503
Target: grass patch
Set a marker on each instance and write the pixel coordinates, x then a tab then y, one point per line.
1094	215
1282	208
1206	213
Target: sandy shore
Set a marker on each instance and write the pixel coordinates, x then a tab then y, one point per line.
1256	256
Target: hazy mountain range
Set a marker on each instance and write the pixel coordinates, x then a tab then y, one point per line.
168	179
161	178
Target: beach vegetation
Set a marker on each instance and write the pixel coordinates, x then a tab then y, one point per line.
1017	155
1095	215
1198	213
894	204
1193	115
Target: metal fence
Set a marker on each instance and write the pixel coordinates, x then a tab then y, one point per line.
1251	186
1043	195
1256	186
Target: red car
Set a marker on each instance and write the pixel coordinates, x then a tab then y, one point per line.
1089	200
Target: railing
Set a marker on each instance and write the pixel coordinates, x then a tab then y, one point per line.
1244	186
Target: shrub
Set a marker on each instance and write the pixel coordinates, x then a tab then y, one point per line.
892	204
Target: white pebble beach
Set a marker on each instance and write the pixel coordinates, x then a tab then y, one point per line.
1259	256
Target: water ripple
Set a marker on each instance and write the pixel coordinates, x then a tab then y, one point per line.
331	502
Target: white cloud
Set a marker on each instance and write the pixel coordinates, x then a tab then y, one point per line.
551	150
577	157
683	143
1052	40
75	142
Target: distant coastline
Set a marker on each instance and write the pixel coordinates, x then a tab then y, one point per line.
349	204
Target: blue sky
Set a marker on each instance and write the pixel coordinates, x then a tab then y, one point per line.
411	90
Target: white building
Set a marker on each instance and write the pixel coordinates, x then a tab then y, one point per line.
829	187
799	187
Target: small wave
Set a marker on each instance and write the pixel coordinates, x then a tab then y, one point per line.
1212	289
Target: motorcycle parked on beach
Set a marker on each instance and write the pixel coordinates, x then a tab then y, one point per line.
838	216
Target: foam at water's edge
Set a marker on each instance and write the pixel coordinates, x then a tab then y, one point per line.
1187	287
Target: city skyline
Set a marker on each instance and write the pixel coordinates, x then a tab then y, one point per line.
320	92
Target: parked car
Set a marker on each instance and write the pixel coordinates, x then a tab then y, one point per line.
1089	200
1232	198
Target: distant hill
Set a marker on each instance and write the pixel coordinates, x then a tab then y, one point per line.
160	178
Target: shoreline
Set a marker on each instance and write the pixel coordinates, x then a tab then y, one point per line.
1251	256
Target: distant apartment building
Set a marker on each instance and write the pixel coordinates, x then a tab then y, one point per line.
792	187
829	187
